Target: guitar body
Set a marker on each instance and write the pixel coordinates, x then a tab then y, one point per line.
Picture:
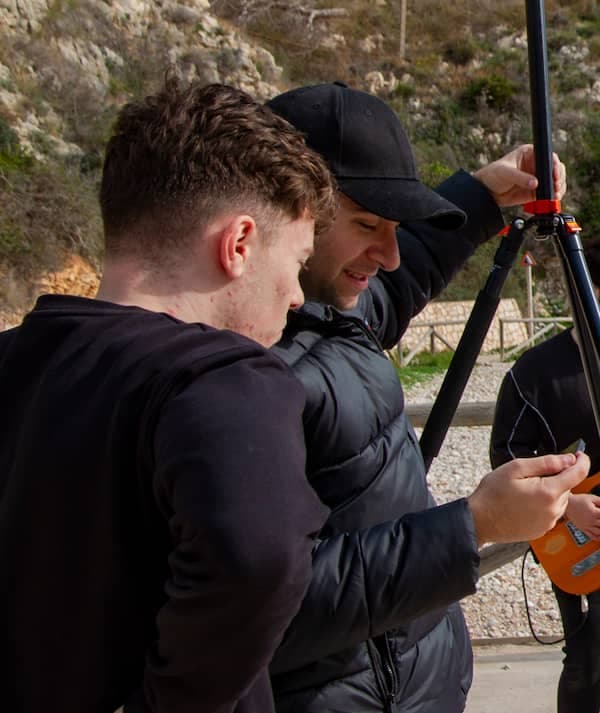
570	558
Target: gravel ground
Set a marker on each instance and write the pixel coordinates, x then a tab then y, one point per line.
498	608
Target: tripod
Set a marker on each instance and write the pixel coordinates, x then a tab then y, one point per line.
548	222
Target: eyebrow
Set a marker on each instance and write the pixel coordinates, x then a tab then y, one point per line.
374	216
358	211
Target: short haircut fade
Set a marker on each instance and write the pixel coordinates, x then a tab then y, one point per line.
183	155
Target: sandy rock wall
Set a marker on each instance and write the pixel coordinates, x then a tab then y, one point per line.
438	316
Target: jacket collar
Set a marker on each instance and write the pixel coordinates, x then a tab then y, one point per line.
328	313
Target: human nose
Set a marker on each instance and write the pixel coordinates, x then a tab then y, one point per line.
297	298
385	251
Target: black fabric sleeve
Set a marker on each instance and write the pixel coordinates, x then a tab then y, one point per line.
431	257
519	428
378	579
230	477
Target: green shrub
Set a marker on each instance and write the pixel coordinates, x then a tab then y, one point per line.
12	156
12	240
434	172
9	141
424	367
460	52
570	79
494	91
48	209
403	91
589	29
556	40
589	213
90	162
445	124
594	45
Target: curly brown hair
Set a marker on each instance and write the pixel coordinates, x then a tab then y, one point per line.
184	155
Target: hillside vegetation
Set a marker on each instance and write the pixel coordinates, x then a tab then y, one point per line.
461	90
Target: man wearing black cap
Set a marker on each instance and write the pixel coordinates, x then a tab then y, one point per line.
379	629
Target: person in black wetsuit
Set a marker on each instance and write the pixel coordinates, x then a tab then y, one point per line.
543	407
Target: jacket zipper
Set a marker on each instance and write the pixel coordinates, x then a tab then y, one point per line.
304	320
367	331
389	684
384	669
390	672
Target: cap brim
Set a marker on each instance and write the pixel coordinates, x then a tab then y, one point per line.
403	200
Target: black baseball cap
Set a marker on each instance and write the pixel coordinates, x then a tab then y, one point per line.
368	152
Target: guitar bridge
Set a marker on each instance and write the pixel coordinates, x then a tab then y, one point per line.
579	538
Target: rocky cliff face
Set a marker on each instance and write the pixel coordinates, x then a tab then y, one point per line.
96	51
462	93
65	68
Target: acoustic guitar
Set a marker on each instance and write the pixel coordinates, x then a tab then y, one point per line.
570	558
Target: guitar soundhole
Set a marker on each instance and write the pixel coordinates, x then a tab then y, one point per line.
578	537
586	564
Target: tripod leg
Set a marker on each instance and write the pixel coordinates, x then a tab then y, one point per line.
584	306
470	343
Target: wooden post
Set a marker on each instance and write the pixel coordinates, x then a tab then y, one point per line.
528	262
403	29
529	280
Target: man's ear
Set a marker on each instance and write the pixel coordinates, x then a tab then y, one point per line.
236	243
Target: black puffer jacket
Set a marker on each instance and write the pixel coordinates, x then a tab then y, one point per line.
378	630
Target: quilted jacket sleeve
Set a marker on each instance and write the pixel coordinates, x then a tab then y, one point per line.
431	257
355	595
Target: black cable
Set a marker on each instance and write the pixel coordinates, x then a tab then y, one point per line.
529	621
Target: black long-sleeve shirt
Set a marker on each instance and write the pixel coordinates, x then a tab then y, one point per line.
156	525
544	406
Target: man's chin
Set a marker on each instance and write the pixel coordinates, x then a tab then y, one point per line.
345	303
271	340
333	297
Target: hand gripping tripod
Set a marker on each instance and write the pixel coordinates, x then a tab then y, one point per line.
547	221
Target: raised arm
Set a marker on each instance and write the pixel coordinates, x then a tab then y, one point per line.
431	257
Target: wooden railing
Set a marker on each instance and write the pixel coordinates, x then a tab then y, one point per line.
537	328
548	325
429	337
474	413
